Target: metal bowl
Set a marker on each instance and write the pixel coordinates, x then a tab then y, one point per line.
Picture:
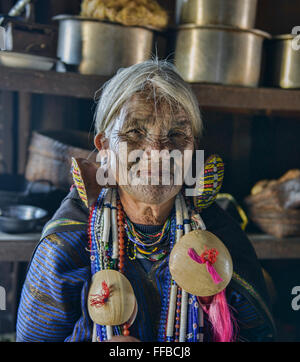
26	61
21	218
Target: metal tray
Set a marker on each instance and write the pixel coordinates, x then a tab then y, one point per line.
26	61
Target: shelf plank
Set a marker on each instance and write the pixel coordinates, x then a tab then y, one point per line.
19	247
220	96
209	95
269	247
50	82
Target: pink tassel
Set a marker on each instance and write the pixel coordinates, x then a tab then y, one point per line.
224	324
193	255
212	271
208	257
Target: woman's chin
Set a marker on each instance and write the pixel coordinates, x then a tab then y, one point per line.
152	194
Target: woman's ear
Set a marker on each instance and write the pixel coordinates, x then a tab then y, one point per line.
100	142
102	145
105	176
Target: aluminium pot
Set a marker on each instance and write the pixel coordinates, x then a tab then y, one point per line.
236	13
219	54
98	47
283	61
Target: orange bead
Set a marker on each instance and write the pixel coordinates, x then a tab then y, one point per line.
126	332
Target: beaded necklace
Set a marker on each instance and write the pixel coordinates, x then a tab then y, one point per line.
181	317
149	246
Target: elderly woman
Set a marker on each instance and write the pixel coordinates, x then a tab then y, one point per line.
131	227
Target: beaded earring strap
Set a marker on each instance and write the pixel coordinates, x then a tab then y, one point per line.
210	184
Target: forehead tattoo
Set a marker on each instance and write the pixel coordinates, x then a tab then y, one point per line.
145	113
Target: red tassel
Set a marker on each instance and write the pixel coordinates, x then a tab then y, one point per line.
99	300
210	255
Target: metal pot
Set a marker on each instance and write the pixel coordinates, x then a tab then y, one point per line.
236	13
98	47
219	54
21	218
283	62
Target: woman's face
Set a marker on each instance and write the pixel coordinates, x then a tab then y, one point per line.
151	128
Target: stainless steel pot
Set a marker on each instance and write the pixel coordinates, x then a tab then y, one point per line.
283	61
98	47
219	54
236	13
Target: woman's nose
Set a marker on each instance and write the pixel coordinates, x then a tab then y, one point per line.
155	143
155	140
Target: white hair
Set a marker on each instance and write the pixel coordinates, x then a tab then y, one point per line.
165	80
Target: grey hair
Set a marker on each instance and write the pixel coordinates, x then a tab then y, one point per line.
165	80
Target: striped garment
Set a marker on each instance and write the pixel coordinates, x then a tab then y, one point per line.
53	301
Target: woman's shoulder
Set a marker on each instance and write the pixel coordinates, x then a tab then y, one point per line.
67	250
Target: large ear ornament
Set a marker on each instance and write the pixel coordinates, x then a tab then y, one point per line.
210	183
84	178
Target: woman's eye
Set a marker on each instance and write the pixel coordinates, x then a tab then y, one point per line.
174	134
133	131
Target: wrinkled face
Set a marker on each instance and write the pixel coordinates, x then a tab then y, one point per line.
147	129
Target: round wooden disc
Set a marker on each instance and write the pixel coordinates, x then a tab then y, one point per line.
133	316
194	277
121	304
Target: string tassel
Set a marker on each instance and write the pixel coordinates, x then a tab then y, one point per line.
99	300
208	257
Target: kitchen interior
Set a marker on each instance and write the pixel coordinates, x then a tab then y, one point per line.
242	59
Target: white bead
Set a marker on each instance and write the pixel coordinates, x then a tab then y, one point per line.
109	332
183	316
172	308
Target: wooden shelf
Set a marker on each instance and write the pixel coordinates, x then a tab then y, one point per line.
209	95
269	247
20	247
50	82
17	247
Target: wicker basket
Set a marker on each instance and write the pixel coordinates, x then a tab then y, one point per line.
50	155
276	210
276	223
